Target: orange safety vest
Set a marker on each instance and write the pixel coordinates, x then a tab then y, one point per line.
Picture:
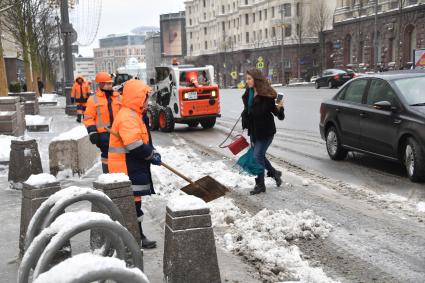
97	111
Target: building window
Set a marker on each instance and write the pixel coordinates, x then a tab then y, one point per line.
190	10
247	37
266	33
191	35
246	19
246	2
260	35
265	14
273	32
287	9
205	31
205	16
298	9
255	36
234	6
253	17
273	12
206	45
190	22
222	9
288	31
260	15
223	26
204	2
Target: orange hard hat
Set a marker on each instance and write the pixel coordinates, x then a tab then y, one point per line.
103	77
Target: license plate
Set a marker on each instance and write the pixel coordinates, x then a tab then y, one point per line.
192	95
346	77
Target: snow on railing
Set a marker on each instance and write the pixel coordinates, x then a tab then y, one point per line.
51	229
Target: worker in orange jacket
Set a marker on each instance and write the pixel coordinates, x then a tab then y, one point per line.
79	94
102	108
130	149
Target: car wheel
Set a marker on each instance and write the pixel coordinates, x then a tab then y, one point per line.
208	123
166	120
153	115
331	85
333	145
316	84
414	161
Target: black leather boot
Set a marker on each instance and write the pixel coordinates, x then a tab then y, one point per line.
146	243
276	175
259	188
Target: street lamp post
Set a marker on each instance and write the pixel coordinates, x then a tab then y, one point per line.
67	31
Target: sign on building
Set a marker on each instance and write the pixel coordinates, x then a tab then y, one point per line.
419	59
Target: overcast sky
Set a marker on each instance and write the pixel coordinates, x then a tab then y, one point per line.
124	15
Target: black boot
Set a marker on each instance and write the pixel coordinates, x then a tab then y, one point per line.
276	175
146	243
79	118
259	188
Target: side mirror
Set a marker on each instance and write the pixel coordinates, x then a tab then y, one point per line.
384	105
152	81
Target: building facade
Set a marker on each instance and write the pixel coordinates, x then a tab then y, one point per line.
115	50
153	54
353	42
84	66
12	55
251	33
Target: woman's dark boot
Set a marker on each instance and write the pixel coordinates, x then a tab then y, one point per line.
259	188
276	175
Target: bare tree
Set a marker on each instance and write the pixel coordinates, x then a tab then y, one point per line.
302	20
3	80
320	21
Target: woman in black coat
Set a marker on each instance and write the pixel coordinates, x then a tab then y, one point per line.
258	117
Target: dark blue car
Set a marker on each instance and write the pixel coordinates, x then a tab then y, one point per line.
383	115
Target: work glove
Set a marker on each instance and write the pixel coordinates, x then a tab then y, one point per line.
94	138
156	158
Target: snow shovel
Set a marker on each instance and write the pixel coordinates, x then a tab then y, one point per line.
206	188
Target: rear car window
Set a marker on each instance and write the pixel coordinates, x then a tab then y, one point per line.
379	90
355	91
412	90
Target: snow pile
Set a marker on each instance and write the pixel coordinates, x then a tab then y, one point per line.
264	240
40	179
79	265
48	97
113	178
186	202
36	120
421	206
5	142
74	134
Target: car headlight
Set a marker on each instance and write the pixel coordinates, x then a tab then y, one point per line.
186	95
213	93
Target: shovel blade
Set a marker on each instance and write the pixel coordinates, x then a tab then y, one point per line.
206	188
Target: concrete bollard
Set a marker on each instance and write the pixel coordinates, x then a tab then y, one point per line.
30	101
122	196
32	198
8	123
79	155
13	104
189	251
24	161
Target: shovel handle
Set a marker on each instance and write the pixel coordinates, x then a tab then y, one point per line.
177	173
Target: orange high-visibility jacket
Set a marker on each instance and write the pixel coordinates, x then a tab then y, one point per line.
80	92
97	114
130	145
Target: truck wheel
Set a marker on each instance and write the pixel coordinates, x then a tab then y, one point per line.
153	115
193	124
208	123
414	161
166	120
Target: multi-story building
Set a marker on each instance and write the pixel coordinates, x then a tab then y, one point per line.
84	66
115	50
12	55
153	53
252	32
373	34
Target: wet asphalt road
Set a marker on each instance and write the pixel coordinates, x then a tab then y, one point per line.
298	142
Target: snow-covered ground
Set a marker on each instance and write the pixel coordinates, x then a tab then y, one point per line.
266	238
